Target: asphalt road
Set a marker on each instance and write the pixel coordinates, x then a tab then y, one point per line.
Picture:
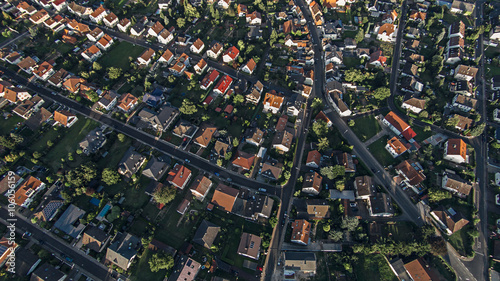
79	258
161	145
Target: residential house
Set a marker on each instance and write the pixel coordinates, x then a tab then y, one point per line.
92	53
108	100
255	93
179	176
79	27
209	79
95	239
387	32
242	10
380	205
26	8
243	160
105	42
80	11
13	58
300	232
418	269
200	187
204	135
271	170
282	140
111	20
26	262
377	59
123	250
15	94
313	159
495	33
299	264
44	71
464	123
249	246
164	4
26	108
317	209
166	57
409	69
184	129
230	55
322	116
98	15
124	25
95	34
69	222
345	159
495	82
146	57
27	65
414	105
455	151
249	67
197	46
417	15
50	210
190	268
338	104
127	102
464	72
223	85
155	29
411	174
65	118
155	169
456	185
224	197
131	162
398	126
37	119
165	37
462	7
47	272
137	29
254	18
364	187
180	65
390	17
395	147
464	103
312	183
200	67
449	220
39	17
93	141
272	102
215	51
254	136
58	78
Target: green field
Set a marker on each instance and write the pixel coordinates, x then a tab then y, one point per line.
373	267
461	241
41	144
142	271
366	127
7	125
115	153
421	135
380	153
69	143
120	55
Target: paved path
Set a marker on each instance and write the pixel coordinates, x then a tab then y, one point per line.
377	136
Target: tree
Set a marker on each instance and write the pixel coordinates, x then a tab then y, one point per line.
350	223
238	99
236	142
326	227
332	172
121	137
320	128
317	103
219	162
423	114
181	22
354	75
188	107
336	235
81	175
453	121
114	72
96	66
495	145
440	36
33	30
114	214
164	194
478	130
438	246
382	93
110	176
436	195
228	155
351	123
323	144
159	261
360	36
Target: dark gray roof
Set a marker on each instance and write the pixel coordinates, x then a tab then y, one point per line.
69	221
25	261
305	261
155	169
123	250
51	208
206	234
47	272
130	162
94	140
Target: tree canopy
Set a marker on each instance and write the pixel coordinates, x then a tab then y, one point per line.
159	261
110	176
164	194
332	172
382	93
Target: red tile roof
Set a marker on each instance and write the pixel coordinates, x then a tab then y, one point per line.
178	175
224	84
224	197
232	52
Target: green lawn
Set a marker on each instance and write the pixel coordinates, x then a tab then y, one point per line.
373	267
41	144
380	153
492	70
350	62
135	197
461	241
115	153
421	135
120	55
69	143
7	125
142	271
64	48
400	231
366	127
451	18
444	269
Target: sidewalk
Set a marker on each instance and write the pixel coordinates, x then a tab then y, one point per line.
376	137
